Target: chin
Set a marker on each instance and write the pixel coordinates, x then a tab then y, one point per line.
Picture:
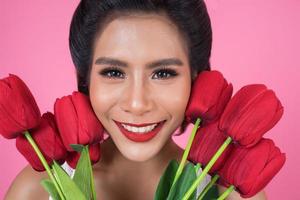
139	153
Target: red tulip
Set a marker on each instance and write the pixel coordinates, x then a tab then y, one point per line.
251	169
251	112
207	141
94	151
209	96
76	120
18	109
47	138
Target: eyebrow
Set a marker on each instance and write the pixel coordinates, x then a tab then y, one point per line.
154	64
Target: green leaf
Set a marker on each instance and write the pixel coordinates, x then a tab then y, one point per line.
77	147
182	185
212	193
166	181
49	186
68	186
82	176
197	167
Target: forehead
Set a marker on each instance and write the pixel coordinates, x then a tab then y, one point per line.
148	36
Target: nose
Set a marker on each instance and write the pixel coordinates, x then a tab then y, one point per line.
137	99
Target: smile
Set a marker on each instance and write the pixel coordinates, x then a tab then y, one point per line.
140	132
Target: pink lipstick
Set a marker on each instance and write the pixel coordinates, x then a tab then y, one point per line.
140	137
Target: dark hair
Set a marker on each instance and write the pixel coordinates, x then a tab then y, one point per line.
190	16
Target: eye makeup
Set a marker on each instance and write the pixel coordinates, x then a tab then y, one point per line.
164	73
113	72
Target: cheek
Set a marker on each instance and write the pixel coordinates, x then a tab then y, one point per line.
175	98
102	97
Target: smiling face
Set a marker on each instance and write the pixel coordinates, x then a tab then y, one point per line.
140	76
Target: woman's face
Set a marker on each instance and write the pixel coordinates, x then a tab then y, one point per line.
140	77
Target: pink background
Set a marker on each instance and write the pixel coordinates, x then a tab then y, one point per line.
254	42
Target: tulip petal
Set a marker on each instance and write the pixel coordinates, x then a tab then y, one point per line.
251	169
250	114
18	109
66	120
209	95
77	121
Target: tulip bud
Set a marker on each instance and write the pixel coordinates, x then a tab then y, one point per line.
251	169
207	141
251	112
47	138
209	96
18	109
76	120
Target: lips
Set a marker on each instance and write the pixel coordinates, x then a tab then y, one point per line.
140	137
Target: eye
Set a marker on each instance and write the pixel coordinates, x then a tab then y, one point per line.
164	73
112	73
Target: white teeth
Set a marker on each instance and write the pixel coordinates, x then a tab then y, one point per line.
139	129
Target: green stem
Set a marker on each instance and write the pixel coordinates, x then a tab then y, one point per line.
91	172
44	162
226	193
210	184
207	168
186	151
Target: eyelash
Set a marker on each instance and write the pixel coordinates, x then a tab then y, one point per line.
118	73
108	70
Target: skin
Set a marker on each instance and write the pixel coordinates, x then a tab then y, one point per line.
133	94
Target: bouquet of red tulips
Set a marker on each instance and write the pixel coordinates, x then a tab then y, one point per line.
72	134
229	144
227	140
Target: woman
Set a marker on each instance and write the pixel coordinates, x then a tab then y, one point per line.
136	60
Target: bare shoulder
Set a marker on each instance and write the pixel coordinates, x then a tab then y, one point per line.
27	186
236	196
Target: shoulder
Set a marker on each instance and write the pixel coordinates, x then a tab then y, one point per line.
27	186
